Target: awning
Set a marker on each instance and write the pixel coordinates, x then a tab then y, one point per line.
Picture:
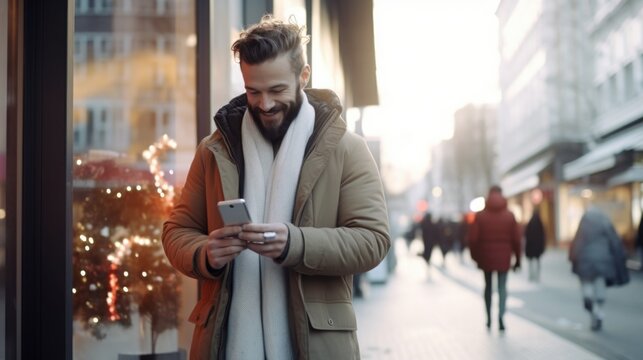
633	174
351	23
525	177
357	49
603	156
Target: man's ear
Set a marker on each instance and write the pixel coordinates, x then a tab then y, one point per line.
304	76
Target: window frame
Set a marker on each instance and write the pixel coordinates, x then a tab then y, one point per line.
44	245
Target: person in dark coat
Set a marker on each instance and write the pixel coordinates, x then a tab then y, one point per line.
493	237
447	237
409	235
460	237
598	258
534	244
444	239
430	236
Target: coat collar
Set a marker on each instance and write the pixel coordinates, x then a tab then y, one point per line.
329	129
327	116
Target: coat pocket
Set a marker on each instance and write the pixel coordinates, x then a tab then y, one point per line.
331	316
332	332
201	312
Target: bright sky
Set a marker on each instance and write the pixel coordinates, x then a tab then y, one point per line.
433	57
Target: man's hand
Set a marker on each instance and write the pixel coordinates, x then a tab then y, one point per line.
224	245
272	248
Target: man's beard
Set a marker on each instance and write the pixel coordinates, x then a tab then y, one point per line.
290	110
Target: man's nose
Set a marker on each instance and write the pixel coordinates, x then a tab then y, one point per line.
266	102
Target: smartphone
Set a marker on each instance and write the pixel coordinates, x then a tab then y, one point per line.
234	212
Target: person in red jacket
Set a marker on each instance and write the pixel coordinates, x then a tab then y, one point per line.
493	237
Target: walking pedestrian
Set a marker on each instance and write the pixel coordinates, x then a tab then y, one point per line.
598	259
446	239
430	236
410	234
534	244
493	237
317	201
459	238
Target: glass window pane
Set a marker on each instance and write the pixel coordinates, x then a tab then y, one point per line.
134	136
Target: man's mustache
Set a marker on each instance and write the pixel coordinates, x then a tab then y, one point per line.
273	110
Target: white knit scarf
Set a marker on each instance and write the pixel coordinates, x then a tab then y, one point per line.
258	322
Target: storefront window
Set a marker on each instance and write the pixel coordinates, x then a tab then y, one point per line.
134	136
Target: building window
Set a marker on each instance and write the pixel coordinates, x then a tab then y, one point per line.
104	6
628	80
127	299
600	98
144	7
162	7
105	46
82	7
613	92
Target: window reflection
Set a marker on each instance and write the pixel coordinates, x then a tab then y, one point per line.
134	131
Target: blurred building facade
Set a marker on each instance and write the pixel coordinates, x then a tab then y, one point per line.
474	147
565	78
610	173
465	166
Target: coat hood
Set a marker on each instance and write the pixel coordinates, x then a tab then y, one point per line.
495	202
594	218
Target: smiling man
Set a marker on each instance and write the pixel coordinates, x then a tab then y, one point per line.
309	183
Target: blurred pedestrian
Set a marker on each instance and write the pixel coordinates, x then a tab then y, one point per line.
493	237
446	238
410	234
460	236
358	291
430	236
534	244
639	242
598	258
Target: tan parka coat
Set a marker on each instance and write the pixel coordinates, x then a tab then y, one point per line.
339	227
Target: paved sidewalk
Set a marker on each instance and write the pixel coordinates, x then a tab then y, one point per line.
555	303
422	314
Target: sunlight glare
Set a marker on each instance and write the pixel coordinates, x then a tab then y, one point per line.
433	57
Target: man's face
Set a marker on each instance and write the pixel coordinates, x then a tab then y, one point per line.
274	94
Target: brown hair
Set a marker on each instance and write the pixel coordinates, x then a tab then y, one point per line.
269	39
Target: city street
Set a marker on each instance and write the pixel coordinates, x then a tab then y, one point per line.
438	313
